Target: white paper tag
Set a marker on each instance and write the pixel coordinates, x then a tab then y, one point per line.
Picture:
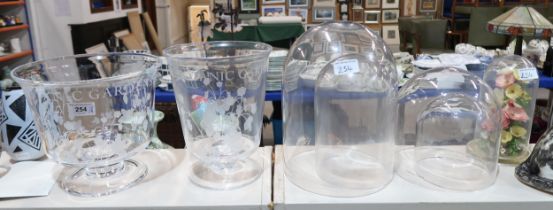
82	109
346	67
528	74
27	179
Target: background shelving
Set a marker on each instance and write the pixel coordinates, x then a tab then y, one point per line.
10	3
9	60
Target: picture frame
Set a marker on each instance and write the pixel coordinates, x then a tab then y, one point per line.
324	3
273	1
372	16
427	6
390	4
390	34
249	6
344	17
224	4
343	8
409	7
358	15
357	4
301	12
370	4
270	10
298	3
390	16
321	14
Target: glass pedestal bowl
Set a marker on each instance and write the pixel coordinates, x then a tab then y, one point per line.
93	112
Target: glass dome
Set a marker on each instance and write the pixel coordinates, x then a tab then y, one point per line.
457	124
329	74
515	81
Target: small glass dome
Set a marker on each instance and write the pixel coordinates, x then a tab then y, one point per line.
457	124
329	74
515	81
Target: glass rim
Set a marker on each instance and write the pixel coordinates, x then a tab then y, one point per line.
266	48
30	82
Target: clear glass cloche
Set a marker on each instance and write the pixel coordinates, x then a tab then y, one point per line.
339	84
515	81
454	121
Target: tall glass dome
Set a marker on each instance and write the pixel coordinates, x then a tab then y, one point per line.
338	83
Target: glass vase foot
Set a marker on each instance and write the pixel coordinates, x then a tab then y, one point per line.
240	174
104	180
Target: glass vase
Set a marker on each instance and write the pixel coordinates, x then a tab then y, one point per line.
220	92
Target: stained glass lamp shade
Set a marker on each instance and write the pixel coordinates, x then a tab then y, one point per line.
521	21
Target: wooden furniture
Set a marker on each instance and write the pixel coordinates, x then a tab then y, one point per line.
435	28
15	32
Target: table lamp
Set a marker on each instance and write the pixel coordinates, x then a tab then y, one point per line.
521	21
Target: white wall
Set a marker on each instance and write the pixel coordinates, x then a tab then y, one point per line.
163	14
178	21
50	21
51	34
172	20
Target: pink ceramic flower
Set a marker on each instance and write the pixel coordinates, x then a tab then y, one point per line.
515	111
504	80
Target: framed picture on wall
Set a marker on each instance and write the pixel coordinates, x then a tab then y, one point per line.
301	12
248	6
324	3
372	4
390	16
273	1
409	7
390	34
321	14
273	11
298	3
427	6
224	4
358	15
343	8
390	4
372	16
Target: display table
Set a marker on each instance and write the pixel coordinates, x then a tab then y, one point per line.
169	97
166	187
506	194
262	33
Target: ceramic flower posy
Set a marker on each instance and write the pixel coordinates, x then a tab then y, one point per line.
516	100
